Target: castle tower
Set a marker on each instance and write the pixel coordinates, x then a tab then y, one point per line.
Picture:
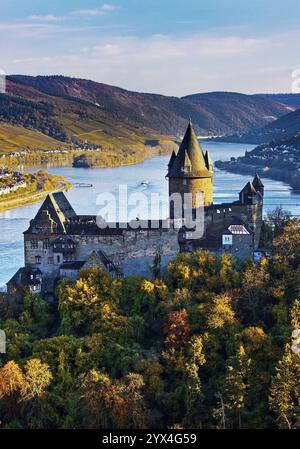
190	172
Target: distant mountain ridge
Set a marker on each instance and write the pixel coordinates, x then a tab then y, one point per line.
213	113
284	127
290	100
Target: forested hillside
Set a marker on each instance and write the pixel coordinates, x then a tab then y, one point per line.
212	113
284	127
67	121
206	345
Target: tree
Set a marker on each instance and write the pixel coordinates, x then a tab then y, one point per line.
177	330
254	292
284	397
37	378
11	384
221	312
219	412
11	379
229	275
236	385
277	220
156	265
112	404
295	315
286	244
194	398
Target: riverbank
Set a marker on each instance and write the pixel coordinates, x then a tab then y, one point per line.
289	177
78	159
103	157
44	184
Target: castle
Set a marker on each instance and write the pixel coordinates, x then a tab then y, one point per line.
59	243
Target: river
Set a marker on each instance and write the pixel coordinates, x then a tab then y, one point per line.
226	188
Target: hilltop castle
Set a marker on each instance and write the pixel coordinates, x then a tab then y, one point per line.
59	243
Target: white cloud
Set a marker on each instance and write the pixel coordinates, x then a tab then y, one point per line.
173	65
102	10
46	18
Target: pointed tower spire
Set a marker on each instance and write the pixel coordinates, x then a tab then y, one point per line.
248	194
191	146
172	159
187	166
209	161
257	182
190	173
258	185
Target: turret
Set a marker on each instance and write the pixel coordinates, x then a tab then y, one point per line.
190	172
258	185
172	159
209	162
248	195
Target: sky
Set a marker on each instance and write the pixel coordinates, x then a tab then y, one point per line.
171	47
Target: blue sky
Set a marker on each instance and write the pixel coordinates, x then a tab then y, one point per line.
173	47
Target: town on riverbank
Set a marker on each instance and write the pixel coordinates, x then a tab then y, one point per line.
278	160
18	189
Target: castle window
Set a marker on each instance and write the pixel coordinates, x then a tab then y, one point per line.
50	260
46	243
34	244
38	260
58	259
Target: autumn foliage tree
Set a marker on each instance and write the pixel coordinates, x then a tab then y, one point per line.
206	344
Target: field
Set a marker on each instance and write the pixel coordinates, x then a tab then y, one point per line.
14	138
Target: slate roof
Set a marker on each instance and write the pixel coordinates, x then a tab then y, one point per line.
64	205
87	225
191	149
26	276
172	159
64	239
257	182
249	189
59	210
73	265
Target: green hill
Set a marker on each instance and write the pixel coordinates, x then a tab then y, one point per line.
57	111
212	113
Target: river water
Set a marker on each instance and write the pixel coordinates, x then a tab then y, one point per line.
226	187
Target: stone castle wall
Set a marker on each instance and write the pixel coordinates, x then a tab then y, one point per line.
133	251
